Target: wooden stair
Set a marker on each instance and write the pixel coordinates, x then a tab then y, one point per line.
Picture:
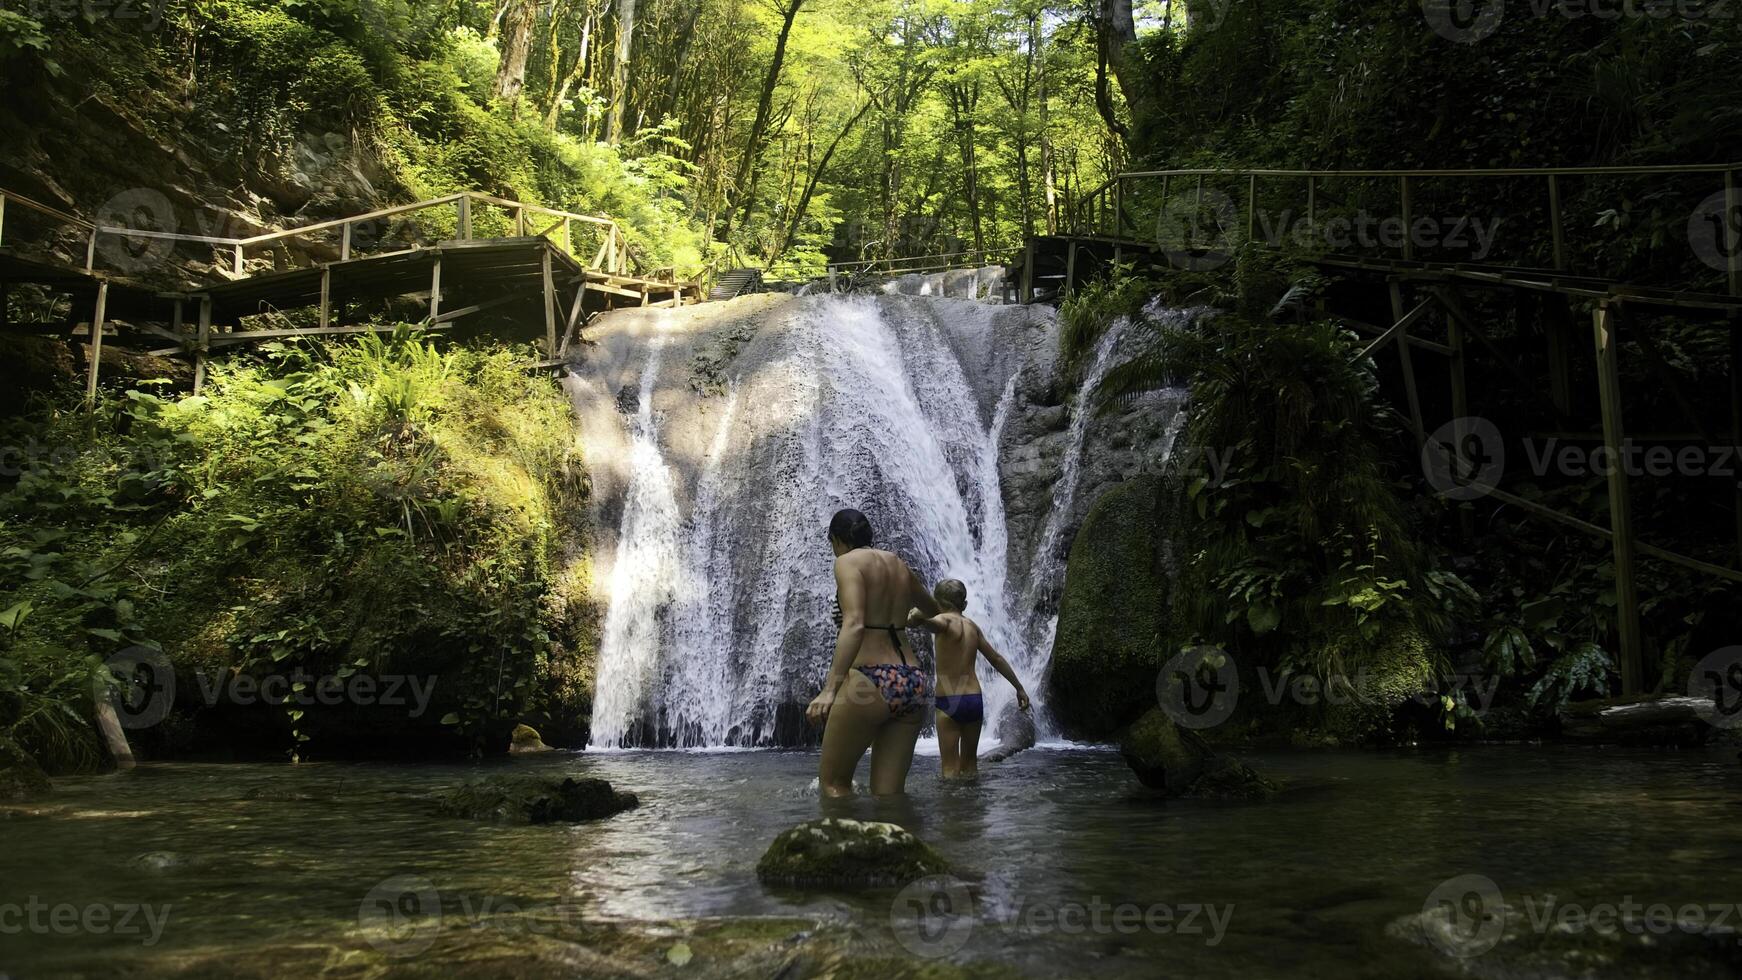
736	282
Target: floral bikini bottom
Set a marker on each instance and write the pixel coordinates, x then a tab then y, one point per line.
904	688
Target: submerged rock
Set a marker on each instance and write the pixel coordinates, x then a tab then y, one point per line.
849	854
525	740
1178	762
535	799
1015	733
20	777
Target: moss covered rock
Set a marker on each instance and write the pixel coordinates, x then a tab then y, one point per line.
20	777
1178	762
525	739
535	799
1399	667
849	854
1113	614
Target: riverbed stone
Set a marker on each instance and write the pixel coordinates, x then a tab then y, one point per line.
834	852
535	799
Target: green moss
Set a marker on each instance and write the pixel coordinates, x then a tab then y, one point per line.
1163	756
1113	615
849	854
20	777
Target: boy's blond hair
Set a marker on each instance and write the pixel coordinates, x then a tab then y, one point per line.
951	593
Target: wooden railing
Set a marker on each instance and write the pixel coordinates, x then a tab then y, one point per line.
941	262
613	255
1106	210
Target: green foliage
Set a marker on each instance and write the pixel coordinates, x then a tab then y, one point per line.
375	506
1091	309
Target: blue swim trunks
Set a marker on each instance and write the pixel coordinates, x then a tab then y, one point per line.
963	709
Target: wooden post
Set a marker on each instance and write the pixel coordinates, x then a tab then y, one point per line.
550	306
1070	269
464	227
1554	222
1460	405
1735	324
97	319
1118	206
1199	203
1732	233
1403	196
569	330
568	235
1620	517
519	222
237	267
345	243
1557	325
327	294
1162	209
205	335
91	251
2	218
201	336
1407	364
435	288
1251	206
1028	272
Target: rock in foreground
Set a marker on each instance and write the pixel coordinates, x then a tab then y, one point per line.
20	777
848	854
535	799
1178	762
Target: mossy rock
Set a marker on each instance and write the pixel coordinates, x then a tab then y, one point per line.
1113	614
20	778
1177	762
1162	755
1397	669
848	854
535	799
525	739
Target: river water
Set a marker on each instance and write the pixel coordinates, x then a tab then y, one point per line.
250	861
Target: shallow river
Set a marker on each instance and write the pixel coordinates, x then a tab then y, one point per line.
1070	868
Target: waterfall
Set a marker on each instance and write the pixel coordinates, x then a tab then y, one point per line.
717	629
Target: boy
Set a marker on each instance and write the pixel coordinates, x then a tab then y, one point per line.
959	710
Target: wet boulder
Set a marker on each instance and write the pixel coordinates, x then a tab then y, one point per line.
1178	762
20	777
526	740
839	853
535	799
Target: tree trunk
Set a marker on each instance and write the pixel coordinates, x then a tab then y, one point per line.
810	187
620	71
516	45
574	75
745	186
1110	43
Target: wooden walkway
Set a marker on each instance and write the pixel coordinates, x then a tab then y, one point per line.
529	282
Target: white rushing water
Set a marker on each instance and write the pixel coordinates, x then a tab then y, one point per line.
717	627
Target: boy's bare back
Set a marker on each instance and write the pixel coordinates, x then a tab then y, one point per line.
957	647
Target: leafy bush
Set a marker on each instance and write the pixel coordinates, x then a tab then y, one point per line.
373	506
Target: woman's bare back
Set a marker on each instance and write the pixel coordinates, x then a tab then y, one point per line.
885	589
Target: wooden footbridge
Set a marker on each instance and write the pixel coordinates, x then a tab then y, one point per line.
513	269
1413	292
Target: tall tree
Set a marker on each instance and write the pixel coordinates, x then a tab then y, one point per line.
517	23
746	183
620	71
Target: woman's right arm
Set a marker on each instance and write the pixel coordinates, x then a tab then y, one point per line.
920	597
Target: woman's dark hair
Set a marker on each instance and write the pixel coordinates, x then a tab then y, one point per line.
851	528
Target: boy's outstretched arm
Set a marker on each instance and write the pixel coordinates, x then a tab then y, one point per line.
1002	666
931	624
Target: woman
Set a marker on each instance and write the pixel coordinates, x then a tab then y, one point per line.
876	693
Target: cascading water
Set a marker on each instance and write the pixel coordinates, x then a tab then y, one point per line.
717	627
